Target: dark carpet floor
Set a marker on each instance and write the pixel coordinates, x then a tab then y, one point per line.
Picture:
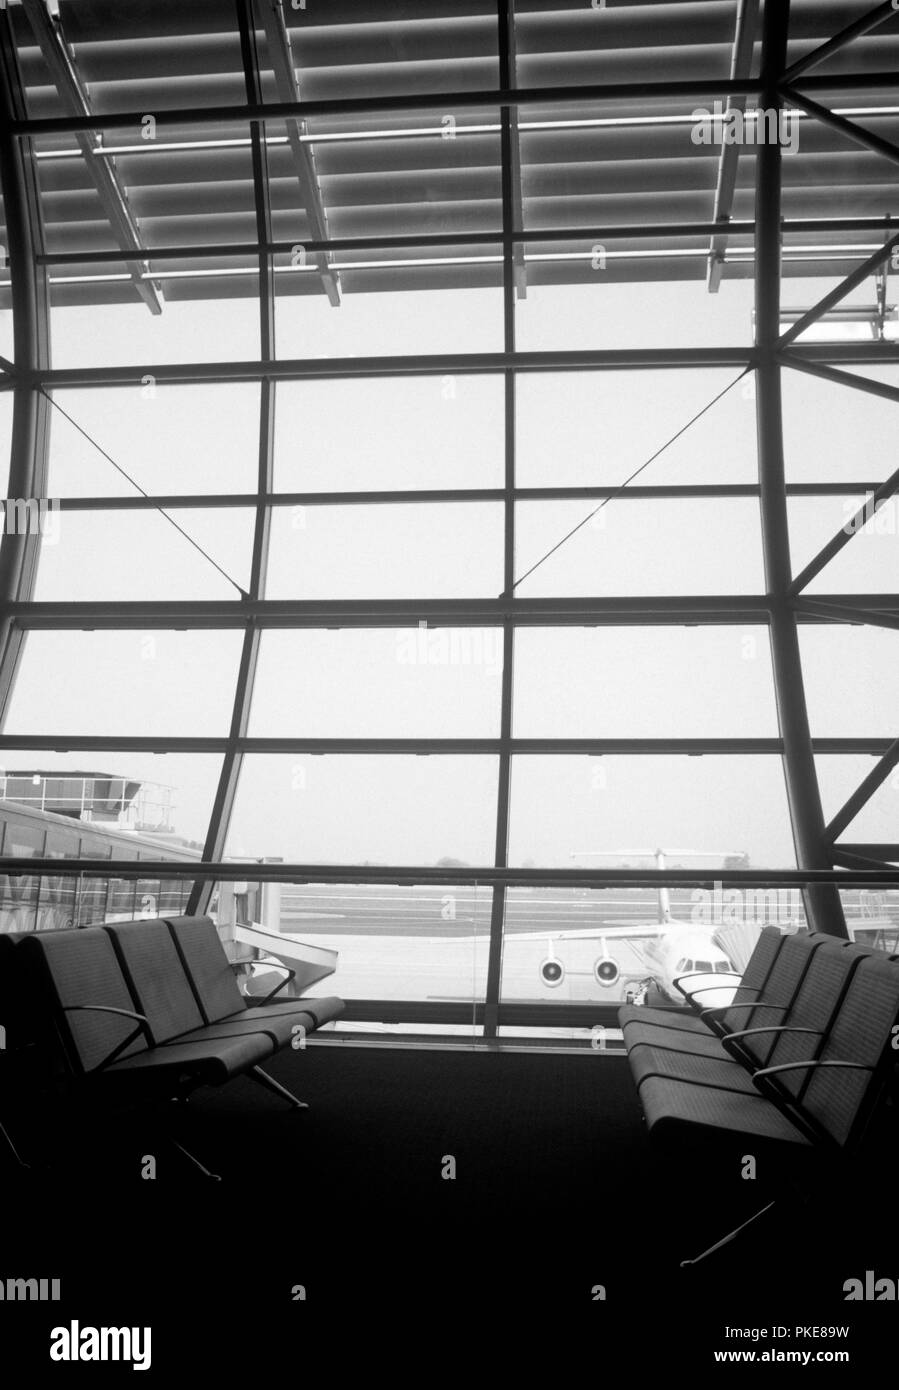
560	1208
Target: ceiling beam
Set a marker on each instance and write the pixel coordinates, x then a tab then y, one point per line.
61	65
818	55
508	58
491	97
284	67
741	64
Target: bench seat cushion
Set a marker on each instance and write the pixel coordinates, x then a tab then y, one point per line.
278	1027
699	1044
664	1018
73	969
646	1060
682	1105
153	969
211	1060
322	1010
209	970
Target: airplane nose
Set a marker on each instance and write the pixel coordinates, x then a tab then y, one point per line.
706	992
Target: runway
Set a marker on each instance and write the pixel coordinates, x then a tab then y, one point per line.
432	943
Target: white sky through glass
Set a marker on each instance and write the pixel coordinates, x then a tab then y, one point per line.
572	429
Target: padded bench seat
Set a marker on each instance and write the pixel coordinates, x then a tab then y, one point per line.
159	999
812	1074
215	988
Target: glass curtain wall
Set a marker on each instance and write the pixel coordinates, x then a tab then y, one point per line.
455	461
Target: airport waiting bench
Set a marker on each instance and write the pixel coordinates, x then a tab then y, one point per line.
801	1058
152	1009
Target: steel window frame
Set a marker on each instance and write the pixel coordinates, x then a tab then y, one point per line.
232	763
781	608
641	92
524	236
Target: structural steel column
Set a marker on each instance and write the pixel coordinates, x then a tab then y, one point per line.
822	903
28	454
226	793
493	986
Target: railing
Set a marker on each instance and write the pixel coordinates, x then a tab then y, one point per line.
487	876
413	943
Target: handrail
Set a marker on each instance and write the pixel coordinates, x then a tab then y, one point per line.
429	873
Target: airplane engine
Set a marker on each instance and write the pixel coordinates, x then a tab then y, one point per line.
552	972
606	972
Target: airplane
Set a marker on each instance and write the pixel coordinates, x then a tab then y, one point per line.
671	951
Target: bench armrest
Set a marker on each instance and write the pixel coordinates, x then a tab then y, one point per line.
703	989
142	1020
775	1028
103	1009
271	965
804	1066
688	975
749	1004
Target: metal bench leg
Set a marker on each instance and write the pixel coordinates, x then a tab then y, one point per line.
216	1177
15	1152
276	1088
726	1240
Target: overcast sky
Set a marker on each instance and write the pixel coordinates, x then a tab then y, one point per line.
574	429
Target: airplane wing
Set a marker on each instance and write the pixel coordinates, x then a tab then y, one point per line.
622	933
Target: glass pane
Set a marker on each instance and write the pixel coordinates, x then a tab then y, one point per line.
635	44
602	946
602	164
583	429
185	186
622	294
836	433
424	172
7	348
868	563
366	809
838	777
6	410
872	916
141	555
129	899
169	439
129	805
830	174
815	266
393	303
50	903
640	547
394	941
90	328
389	433
365	50
418	682
566	810
138	683
386	551
813	25
851	677
654	682
185	61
